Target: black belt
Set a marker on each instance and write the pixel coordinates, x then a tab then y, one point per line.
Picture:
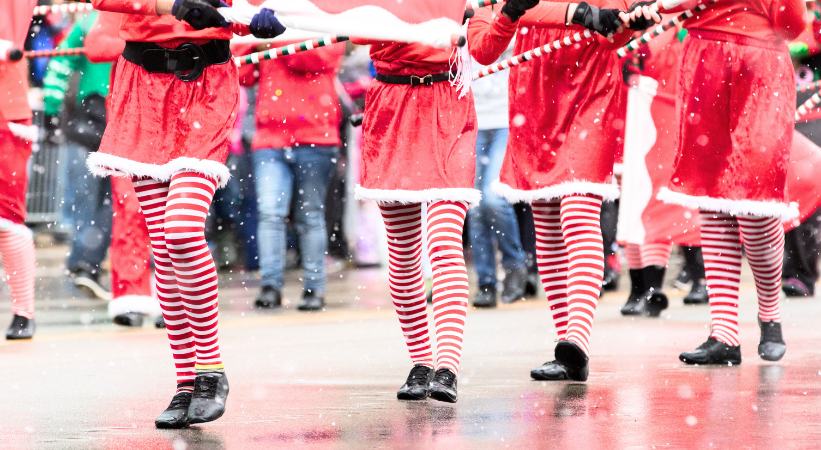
187	61
414	80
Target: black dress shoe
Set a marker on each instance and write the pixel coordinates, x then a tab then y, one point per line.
532	284
416	386
549	371
176	415
513	286
485	297
443	386
269	298
208	401
159	322
574	360
129	319
771	347
713	351
698	294
311	301
632	307
653	302
793	287
20	328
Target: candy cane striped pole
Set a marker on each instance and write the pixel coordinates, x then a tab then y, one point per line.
63	8
274	53
661	28
533	54
815	85
808	106
55	52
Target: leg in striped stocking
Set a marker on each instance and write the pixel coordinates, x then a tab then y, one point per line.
763	239
446	220
632	253
403	224
721	248
551	258
17	256
653	258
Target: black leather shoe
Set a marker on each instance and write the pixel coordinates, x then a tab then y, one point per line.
416	386
653	303
176	415
514	284
311	301
698	294
269	298
443	386
208	401
129	319
485	297
573	359
532	284
20	328
549	371
713	351
159	322
771	347
610	282
631	307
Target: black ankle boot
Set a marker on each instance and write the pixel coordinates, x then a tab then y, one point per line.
771	347
485	297
572	357
129	319
713	351
269	298
176	415
20	328
311	301
514	285
698	293
652	302
416	386
443	386
631	308
549	371
210	394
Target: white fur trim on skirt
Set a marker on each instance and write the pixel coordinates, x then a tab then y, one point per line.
469	195
103	164
16	228
784	211
607	191
144	304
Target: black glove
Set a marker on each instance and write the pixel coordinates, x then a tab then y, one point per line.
604	21
265	24
468	14
641	23
200	14
515	9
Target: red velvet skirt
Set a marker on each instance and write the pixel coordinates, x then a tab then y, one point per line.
14	156
159	125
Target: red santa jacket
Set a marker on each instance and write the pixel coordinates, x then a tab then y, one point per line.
767	20
140	23
398	58
297	103
14	23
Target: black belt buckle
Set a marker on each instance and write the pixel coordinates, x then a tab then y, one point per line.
200	62
427	80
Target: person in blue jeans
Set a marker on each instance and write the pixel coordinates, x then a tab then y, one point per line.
494	220
295	149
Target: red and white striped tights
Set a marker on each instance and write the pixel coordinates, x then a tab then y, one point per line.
763	241
569	253
445	221
646	255
17	257
185	273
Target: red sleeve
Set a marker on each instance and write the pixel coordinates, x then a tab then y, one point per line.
322	60
489	35
103	42
144	7
788	17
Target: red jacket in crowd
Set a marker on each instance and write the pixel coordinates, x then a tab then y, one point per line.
297	102
766	20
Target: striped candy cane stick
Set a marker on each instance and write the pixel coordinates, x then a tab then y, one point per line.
533	54
55	52
274	53
808	106
659	29
63	8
